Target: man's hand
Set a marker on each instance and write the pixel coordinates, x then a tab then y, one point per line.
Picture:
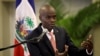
88	44
62	53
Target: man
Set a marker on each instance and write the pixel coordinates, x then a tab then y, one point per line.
61	44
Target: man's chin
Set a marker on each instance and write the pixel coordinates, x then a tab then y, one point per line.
52	26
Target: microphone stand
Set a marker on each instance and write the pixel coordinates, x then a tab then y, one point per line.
33	40
1	49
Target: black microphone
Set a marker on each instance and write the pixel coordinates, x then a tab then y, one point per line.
36	39
33	40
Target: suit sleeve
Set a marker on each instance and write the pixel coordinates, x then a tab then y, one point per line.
73	50
34	51
32	47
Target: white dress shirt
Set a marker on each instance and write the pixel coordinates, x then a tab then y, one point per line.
47	32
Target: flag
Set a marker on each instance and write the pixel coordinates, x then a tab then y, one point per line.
25	22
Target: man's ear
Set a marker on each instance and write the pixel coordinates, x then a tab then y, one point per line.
40	17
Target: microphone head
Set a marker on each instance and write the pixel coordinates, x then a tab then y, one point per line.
37	39
45	30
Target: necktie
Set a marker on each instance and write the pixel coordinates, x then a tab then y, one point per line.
53	42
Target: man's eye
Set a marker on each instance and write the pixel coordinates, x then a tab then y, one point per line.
48	17
54	16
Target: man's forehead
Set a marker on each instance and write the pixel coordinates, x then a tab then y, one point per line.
48	14
47	9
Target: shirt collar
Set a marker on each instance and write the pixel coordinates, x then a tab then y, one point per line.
45	29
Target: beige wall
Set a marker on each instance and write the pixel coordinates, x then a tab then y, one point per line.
1	43
96	37
7	26
6	31
95	1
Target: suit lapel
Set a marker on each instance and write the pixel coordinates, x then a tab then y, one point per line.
57	37
46	40
48	44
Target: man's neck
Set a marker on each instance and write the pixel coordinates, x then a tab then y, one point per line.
45	29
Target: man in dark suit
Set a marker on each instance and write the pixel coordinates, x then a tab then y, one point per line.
62	44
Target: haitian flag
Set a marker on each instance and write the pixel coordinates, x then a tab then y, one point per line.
25	22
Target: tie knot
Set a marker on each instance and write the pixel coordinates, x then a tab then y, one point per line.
51	33
52	37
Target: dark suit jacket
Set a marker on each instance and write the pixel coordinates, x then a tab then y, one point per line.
44	48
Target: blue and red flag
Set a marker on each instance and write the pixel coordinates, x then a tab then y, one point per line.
25	22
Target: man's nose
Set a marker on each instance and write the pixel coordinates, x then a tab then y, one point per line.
53	19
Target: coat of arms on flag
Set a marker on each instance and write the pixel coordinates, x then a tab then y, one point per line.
23	26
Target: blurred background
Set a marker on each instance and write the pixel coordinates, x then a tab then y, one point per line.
80	18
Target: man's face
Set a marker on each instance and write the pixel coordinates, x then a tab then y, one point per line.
48	19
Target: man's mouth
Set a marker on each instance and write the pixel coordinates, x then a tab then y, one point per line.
52	24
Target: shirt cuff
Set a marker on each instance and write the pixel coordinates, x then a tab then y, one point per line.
88	52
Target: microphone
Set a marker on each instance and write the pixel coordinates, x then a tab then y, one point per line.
36	39
41	36
33	40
